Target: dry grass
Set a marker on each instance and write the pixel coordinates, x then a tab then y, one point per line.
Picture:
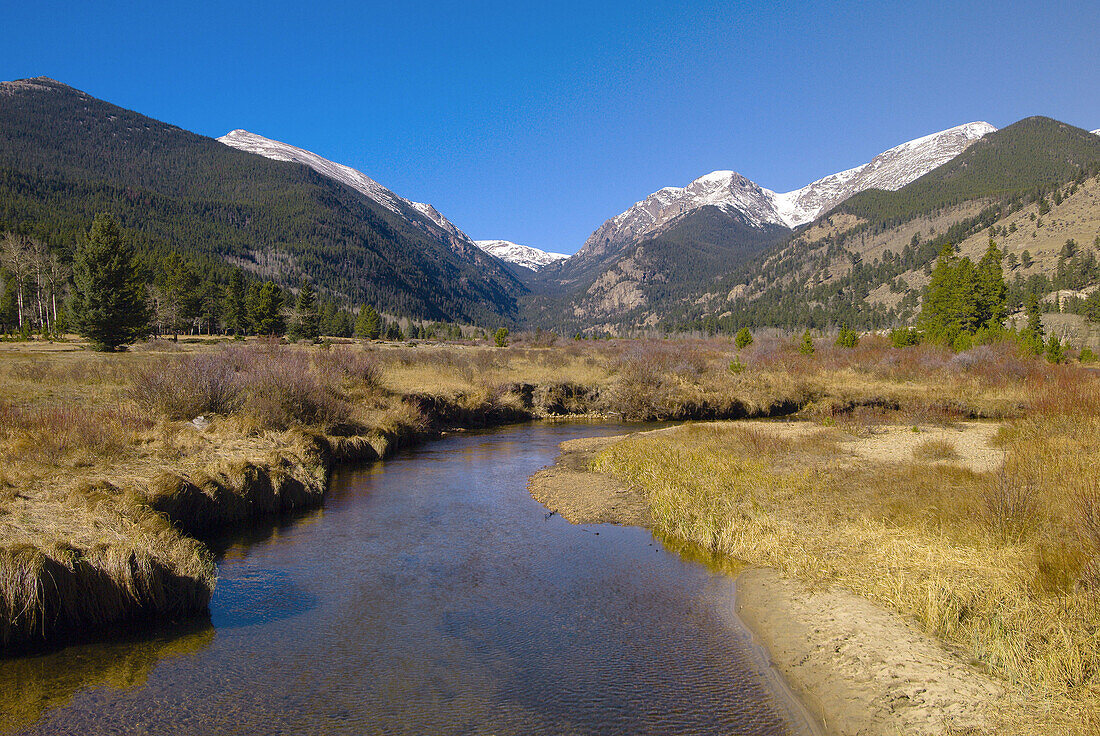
1003	564
935	451
73	420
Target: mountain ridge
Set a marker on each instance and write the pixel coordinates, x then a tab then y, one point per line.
65	155
525	256
421	215
730	190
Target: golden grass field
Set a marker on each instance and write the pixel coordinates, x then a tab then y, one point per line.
1001	560
108	484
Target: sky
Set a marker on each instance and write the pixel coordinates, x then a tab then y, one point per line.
535	122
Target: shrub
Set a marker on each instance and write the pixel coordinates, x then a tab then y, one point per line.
283	391
743	338
359	366
1007	505
736	366
1087	356
935	450
847	338
201	384
643	389
904	337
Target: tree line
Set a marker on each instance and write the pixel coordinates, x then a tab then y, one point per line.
108	293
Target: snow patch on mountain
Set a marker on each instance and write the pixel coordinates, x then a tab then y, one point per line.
521	255
1095	132
424	216
890	170
727	190
736	194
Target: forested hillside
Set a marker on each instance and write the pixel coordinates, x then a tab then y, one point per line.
65	156
650	278
1031	186
1033	154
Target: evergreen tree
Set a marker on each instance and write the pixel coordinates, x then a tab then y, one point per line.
341	324
211	305
743	338
500	337
108	302
252	304
266	310
1031	337
393	331
964	315
936	307
327	312
9	307
181	293
961	299
1055	350
307	321
991	288
368	325
236	313
806	347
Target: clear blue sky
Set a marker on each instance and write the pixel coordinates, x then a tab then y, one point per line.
534	122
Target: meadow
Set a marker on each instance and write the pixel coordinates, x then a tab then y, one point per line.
1000	560
115	466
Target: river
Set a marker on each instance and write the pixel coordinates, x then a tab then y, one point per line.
430	595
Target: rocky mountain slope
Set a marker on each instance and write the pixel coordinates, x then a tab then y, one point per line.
732	192
1031	186
673	244
520	255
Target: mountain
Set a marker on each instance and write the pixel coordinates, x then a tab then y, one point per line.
1033	152
730	191
65	155
1095	132
422	216
1032	186
519	255
677	241
888	171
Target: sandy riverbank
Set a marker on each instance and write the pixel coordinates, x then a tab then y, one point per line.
858	668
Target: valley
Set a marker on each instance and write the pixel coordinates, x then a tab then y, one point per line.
871	401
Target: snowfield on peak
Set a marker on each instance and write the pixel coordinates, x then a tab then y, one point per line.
521	255
890	170
424	216
760	207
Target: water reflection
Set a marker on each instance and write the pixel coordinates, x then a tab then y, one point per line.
433	595
30	686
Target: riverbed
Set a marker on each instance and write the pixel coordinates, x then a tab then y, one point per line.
431	594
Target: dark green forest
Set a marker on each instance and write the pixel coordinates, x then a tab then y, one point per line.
65	156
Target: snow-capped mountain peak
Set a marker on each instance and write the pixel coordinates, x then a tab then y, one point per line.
424	216
760	207
1095	132
521	255
890	170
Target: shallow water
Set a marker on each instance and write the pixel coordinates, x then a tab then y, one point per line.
430	595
